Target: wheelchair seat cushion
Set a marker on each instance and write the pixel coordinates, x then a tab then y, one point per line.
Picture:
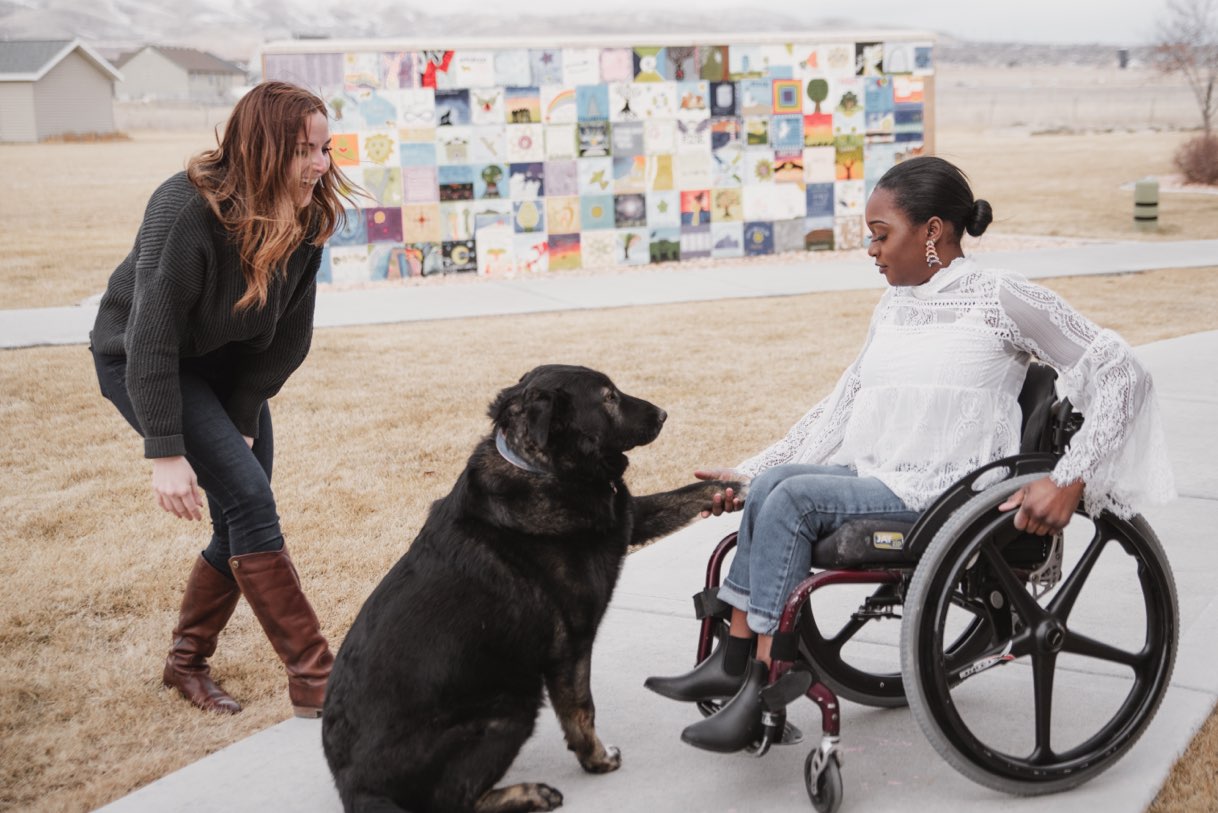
862	542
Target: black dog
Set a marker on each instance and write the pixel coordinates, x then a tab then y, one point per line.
439	681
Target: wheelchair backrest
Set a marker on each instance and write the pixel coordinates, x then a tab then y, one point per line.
1036	400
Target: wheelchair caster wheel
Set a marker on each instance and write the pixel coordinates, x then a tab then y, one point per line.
823	779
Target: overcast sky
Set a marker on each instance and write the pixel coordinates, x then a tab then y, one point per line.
1129	22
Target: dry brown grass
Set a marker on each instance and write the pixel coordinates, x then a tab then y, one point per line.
377	424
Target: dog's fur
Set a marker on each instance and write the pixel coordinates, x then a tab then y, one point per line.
439	681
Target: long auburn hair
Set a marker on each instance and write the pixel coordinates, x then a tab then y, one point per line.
246	180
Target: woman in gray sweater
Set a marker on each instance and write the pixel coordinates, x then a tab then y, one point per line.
200	325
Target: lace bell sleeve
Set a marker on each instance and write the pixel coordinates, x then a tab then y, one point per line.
818	434
1120	451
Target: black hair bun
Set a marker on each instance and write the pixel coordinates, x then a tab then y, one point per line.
979	218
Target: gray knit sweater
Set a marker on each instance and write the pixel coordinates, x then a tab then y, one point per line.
172	298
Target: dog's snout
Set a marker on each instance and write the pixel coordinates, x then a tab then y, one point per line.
661	416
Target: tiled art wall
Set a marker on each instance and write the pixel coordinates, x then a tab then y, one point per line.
512	160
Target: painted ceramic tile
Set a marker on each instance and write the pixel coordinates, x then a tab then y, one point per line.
818	130
384	184
723	99
758	166
847	232
693	100
659	136
532	253
421	223
452	108
496	257
694	136
819	199
816	92
459	256
581	66
650	64
424	259
907	123
787	96
789	166
660	173
712	62
562	214
398	70
868	58
361	70
529	216
726	130
558	104
788	235
924	63
472	69
627	139
846	97
492	213
546	64
562	178
344	149
695	207
388	261
757	131
756	97
457	220
564	252
596	212
657	100
779	61
384	224
629	174
818	233
353	230
908	90
665	245
526	142
617	65
593	139
527	180
625	100
878	105
512	68
417	108
849	157
727	239
522	105
431	64
411	154
629	211
491	181
419	185
313	71
848	198
486	106
631	247
561	142
899	57
592	102
880	158
595	176
787	132
695	242
782	201
728	165
598	248
664	209
745	62
380	147
362	107
349	264
453	144
693	170
839	59
758	239
682	63
757	203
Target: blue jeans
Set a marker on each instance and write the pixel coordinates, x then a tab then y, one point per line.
786	510
236	478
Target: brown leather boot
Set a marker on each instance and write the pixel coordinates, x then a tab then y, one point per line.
269	583
206	607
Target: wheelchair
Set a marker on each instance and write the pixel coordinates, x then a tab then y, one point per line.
977	600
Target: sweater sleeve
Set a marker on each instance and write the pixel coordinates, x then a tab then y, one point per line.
257	377
169	268
1119	452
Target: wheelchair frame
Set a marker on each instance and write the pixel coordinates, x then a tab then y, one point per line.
959	530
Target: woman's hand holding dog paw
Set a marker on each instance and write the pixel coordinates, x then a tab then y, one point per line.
731	498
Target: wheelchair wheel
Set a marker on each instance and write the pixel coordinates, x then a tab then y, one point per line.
1061	649
824	788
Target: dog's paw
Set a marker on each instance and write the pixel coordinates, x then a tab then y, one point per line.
607	761
548	798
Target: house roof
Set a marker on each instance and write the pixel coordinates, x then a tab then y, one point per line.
30	60
188	59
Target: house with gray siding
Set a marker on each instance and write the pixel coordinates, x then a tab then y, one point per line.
164	73
54	87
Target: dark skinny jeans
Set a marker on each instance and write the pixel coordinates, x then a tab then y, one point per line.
236	478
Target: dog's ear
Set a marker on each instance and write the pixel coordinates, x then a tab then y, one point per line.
540	413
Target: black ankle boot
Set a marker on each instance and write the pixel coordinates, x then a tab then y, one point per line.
710	680
738	724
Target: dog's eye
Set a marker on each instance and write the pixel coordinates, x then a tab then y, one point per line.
611	397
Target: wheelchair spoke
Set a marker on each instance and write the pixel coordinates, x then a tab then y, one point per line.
962	665
1063	602
1089	647
848	631
1024	604
1044	665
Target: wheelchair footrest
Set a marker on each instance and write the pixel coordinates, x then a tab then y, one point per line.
792	685
708	605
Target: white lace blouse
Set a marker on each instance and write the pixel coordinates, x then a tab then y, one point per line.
933	394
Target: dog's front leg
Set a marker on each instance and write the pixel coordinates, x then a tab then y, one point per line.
657	515
570	687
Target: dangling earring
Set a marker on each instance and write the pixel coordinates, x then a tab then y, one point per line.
932	256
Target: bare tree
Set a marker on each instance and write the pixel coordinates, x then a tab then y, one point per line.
1187	43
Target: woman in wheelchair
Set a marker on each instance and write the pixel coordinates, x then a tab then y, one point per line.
931	397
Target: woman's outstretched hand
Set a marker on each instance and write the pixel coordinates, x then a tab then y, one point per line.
176	488
1044	506
728	500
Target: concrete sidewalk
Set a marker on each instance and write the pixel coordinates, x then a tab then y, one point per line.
888	764
382	304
